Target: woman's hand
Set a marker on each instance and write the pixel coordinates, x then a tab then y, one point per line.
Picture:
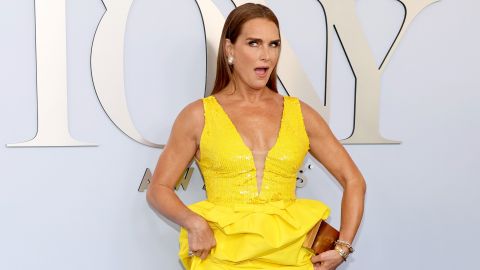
328	260
200	238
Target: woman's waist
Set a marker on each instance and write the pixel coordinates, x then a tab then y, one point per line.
250	197
253	204
296	213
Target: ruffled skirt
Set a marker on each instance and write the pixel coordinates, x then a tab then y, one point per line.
256	236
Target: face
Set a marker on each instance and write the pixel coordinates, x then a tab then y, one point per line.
255	52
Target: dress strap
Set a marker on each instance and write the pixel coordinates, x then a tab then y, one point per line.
295	122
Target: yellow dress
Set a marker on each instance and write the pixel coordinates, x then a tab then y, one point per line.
253	230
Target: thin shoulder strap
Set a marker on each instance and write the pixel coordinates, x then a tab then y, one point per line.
296	121
206	109
209	112
296	108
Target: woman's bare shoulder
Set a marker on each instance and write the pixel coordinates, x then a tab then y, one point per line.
190	120
193	110
312	119
307	110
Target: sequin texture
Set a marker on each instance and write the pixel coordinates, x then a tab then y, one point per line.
227	164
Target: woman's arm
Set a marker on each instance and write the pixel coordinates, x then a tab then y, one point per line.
177	154
328	151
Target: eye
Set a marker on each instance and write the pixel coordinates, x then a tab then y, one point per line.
275	44
253	43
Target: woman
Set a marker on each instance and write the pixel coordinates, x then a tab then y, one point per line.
249	142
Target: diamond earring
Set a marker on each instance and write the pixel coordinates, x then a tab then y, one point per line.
230	60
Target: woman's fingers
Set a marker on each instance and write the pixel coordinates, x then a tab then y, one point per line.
328	260
204	254
201	239
318	258
319	266
201	253
202	246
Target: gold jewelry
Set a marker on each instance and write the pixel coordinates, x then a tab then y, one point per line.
346	244
342	253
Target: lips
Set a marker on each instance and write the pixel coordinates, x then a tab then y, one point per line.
261	71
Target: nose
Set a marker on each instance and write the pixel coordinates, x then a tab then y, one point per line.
265	53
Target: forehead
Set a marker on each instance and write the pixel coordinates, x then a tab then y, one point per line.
260	28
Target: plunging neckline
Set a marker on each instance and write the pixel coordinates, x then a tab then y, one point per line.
250	152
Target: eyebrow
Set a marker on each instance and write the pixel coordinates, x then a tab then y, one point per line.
259	39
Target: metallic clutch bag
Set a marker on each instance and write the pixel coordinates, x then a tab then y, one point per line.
321	237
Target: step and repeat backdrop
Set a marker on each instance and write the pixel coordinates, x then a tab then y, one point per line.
89	90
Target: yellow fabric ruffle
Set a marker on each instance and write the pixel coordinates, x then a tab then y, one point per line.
256	236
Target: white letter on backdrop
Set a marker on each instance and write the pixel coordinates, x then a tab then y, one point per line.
51	51
108	65
342	19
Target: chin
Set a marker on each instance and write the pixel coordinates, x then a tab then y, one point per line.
258	86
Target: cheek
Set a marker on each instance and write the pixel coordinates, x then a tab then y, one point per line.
245	61
275	54
246	53
249	58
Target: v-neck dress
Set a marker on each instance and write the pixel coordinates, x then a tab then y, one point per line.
253	228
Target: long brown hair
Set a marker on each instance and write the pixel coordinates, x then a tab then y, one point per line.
231	30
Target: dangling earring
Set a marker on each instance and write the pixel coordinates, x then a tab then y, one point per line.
230	60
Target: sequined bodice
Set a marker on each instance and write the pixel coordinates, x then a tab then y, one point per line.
228	166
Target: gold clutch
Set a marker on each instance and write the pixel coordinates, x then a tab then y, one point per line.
321	237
